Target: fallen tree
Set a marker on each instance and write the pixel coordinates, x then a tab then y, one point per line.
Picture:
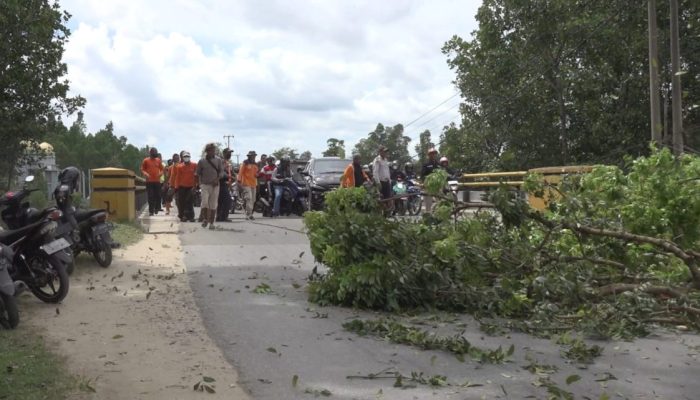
617	251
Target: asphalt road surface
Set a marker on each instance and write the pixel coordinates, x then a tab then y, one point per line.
275	334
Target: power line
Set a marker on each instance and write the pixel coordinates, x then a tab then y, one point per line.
431	110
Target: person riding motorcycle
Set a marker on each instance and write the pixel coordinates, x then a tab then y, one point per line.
408	171
281	179
395	173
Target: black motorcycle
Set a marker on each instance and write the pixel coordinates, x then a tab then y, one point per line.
292	202
86	230
39	261
9	314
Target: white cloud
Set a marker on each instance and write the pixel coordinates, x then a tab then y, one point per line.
177	74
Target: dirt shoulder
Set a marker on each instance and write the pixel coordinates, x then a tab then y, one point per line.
133	331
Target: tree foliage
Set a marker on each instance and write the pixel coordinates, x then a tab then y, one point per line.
76	147
391	137
615	252
560	82
305	155
336	148
286	151
424	144
33	90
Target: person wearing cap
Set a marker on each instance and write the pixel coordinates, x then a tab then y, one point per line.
248	182
152	170
184	180
354	175
225	189
428	168
380	169
210	170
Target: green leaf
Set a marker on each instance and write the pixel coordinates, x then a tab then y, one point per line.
272	350
209	389
295	380
572	378
511	350
208	379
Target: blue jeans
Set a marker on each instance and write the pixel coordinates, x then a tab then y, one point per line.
279	190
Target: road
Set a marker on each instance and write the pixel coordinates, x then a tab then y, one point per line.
271	337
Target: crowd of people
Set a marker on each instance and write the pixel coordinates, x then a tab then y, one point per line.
179	178
385	174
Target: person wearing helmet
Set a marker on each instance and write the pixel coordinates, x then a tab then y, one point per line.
367	169
281	179
152	170
408	170
267	173
445	165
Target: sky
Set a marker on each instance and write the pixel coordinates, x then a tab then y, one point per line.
177	74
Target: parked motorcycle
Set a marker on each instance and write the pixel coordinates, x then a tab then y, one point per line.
414	202
292	202
9	314
400	189
86	230
39	261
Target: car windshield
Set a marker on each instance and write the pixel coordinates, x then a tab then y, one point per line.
330	166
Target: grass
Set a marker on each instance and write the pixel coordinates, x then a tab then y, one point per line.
29	371
127	233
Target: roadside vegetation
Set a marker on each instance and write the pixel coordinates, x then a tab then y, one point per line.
28	371
127	233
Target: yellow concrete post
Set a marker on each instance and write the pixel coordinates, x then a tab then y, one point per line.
114	190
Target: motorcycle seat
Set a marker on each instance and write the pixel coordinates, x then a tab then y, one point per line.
82	215
10	236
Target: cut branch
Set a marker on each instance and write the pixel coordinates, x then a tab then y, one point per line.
617	288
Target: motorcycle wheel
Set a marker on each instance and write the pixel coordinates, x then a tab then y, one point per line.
414	205
103	255
9	314
49	271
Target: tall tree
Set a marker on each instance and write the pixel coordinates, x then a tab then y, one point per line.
286	151
391	137
424	144
33	91
560	82
305	155
336	148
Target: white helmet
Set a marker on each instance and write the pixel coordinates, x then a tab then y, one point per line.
444	159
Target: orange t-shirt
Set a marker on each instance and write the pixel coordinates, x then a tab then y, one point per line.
185	175
248	174
153	167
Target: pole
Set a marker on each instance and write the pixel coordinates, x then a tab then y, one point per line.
228	140
656	125
676	82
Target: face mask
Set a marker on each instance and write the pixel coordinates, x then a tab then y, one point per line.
186	159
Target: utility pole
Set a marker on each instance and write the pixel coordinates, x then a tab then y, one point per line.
228	138
676	82
656	125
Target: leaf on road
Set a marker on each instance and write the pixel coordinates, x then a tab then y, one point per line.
263	257
208	379
115	337
572	378
272	350
295	380
209	389
301	254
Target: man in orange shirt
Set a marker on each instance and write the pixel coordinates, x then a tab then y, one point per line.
354	176
248	182
184	180
152	170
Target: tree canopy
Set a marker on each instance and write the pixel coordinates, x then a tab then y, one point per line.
33	90
562	82
391	137
336	148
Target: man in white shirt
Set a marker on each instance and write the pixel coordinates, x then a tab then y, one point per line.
381	175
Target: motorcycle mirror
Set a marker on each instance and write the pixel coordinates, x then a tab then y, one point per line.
299	169
29	178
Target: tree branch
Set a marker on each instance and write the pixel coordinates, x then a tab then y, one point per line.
617	288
